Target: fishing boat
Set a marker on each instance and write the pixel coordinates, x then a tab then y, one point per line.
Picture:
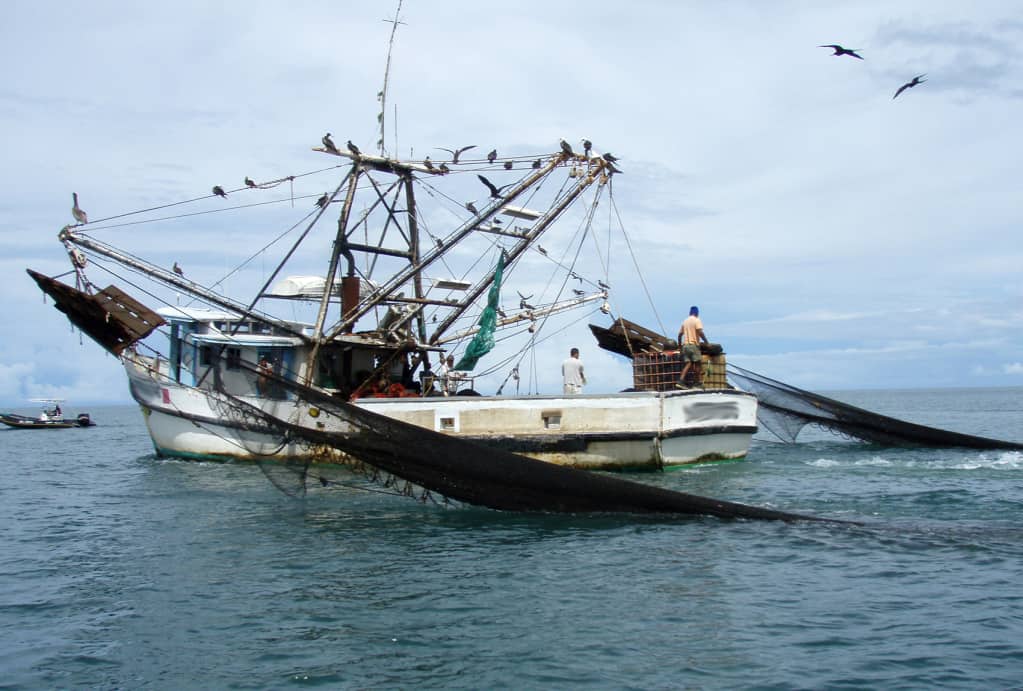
421	258
51	417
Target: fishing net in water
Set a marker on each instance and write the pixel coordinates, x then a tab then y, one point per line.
419	461
784	410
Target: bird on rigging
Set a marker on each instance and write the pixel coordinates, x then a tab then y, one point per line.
249	182
566	148
576	276
537	163
523	305
508	165
353	148
322	201
177	270
603	285
76	211
541	250
587	146
839	50
491	156
610	158
328	144
578	292
443	168
919	79
219	191
428	163
472	208
495	191
455	153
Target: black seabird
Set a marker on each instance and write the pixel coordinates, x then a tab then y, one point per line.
919	79
328	144
249	182
219	191
491	156
839	50
353	148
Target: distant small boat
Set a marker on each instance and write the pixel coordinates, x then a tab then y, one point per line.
49	418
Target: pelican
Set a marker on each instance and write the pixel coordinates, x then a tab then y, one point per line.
79	215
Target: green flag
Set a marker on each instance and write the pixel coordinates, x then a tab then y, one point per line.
483	342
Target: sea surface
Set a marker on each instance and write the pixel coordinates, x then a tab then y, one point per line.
120	570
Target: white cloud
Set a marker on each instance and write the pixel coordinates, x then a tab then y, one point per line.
828	233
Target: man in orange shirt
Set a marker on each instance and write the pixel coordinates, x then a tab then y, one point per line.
689	337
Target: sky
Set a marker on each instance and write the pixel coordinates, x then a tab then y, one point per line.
833	237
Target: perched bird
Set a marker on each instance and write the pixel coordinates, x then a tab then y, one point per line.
537	163
496	221
613	168
428	163
322	201
249	182
443	168
576	276
610	158
507	165
491	156
919	79
328	144
439	243
523	305
472	208
566	148
839	50
578	292
177	270
353	148
603	285
587	146
541	250
219	191
455	153
495	191
79	215
500	313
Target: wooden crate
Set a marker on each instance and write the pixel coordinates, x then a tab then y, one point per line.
660	371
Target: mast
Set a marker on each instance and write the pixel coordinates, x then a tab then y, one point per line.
340	247
416	267
521	246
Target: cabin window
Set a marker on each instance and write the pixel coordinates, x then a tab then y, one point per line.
551	419
206	356
447	424
234	358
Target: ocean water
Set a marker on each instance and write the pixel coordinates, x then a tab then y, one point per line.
119	570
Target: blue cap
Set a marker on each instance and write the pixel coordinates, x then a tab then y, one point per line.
694	310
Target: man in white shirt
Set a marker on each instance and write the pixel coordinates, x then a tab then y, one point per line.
572	373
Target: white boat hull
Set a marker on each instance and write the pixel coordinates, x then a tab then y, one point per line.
636	430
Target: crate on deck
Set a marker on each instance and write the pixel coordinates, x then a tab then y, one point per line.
660	371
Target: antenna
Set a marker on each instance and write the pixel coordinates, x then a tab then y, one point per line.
382	95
